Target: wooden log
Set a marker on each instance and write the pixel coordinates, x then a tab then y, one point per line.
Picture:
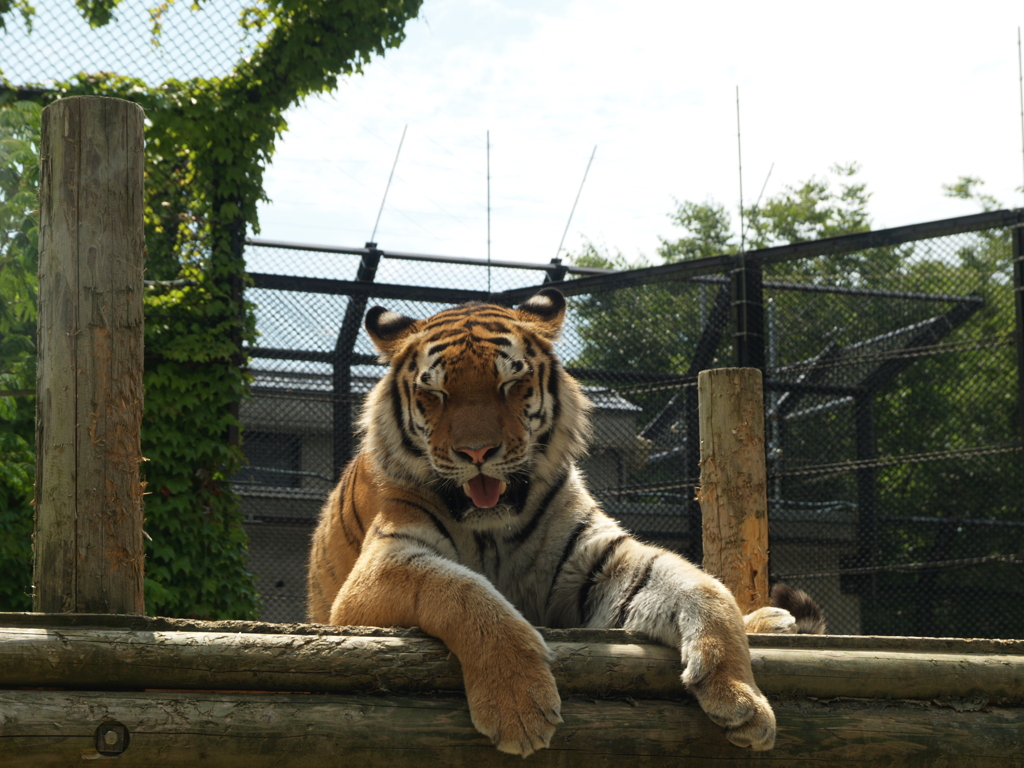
622	698
733	483
88	537
602	664
62	621
41	728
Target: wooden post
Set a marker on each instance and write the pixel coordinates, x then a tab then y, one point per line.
733	484
88	533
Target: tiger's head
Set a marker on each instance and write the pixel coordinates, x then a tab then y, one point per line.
474	398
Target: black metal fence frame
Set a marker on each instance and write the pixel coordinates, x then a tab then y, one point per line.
738	308
740	297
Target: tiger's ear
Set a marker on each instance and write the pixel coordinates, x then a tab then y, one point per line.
545	311
388	329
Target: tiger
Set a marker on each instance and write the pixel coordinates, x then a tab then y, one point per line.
464	514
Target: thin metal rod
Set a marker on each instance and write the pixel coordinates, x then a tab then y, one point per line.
764	186
1020	73
1017	255
363	251
739	157
562	241
373	237
488	211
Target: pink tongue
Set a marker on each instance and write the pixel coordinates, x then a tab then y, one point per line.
484	491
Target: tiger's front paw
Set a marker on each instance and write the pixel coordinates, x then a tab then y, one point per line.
727	693
751	721
741	709
515	703
770	620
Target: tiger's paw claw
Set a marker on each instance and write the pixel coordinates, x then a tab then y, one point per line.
743	711
518	716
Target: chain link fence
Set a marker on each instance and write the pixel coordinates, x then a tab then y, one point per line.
892	362
153	45
893	392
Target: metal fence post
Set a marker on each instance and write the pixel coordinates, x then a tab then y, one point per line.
341	379
1018	294
748	314
556	272
747	290
866	449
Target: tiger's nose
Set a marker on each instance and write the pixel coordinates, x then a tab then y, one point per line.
478	455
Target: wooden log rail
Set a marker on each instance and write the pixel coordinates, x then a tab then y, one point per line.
240	693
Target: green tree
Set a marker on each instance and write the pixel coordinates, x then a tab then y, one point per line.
810	211
656	327
19	237
962	398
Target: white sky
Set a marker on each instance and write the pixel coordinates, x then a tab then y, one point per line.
917	93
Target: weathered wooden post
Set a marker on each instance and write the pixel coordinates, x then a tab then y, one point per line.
88	531
733	491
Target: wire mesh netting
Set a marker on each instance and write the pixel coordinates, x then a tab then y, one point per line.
892	379
176	43
893	428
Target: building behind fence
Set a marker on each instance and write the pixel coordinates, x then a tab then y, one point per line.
893	394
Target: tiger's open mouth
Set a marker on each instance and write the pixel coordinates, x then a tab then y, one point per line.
484	490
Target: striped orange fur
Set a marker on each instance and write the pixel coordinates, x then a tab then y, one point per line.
464	514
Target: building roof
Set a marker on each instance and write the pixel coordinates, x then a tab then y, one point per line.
318	385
